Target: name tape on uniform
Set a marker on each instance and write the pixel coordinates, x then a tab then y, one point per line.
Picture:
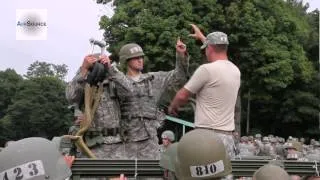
207	170
24	171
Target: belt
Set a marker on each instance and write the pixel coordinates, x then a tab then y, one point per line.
110	131
104	132
217	130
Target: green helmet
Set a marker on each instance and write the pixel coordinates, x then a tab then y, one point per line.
36	158
201	155
129	51
8	143
168	134
270	171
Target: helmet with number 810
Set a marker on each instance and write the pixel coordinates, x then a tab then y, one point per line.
201	155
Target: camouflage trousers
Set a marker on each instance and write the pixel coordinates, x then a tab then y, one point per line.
107	151
228	142
146	149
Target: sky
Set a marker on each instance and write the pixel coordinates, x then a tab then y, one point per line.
70	25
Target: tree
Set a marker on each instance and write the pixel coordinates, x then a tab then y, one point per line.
8	86
267	40
39	108
40	69
302	101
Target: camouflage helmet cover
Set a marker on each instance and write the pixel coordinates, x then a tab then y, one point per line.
258	136
244	138
273	140
168	134
201	155
128	51
37	158
270	171
265	139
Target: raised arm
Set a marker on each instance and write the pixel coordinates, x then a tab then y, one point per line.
177	76
75	88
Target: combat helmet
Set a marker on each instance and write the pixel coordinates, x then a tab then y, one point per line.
265	139
258	136
168	134
201	155
37	158
269	171
129	51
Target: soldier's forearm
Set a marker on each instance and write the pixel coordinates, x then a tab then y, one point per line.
182	65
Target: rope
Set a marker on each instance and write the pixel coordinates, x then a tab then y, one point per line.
92	98
316	167
136	169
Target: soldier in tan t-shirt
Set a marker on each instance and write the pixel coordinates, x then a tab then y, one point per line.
216	86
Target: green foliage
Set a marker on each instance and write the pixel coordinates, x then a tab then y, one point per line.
41	69
8	86
34	106
39	108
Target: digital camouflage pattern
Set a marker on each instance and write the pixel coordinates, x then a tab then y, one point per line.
140	115
229	145
106	118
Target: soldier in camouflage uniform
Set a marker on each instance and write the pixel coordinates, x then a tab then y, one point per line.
103	138
257	137
167	139
294	151
140	115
